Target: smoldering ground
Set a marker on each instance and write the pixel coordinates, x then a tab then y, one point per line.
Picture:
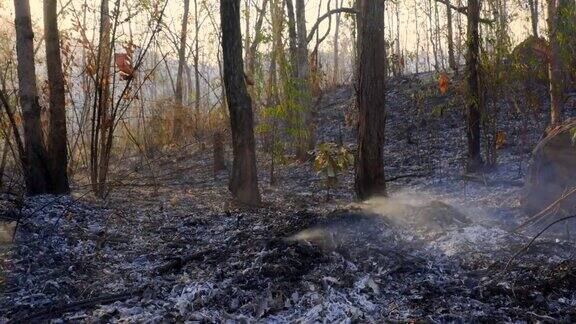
191	260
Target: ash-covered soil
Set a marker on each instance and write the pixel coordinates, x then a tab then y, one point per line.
168	246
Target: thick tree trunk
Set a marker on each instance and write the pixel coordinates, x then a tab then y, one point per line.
57	142
36	170
370	99
475	99
555	67
178	111
244	178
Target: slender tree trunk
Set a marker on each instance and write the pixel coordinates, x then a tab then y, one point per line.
555	66
533	4
475	99
103	123
460	33
197	90
355	55
178	111
336	77
244	178
428	59
438	38
431	34
293	39
3	162
451	58
307	142
247	19
417	28
370	96
36	170
398	62
257	39
57	142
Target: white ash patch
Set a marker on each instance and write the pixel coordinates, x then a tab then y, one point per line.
473	238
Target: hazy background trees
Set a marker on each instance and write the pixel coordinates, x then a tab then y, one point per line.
121	79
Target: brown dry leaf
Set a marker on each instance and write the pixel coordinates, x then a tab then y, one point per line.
500	139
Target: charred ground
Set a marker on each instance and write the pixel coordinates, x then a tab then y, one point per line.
167	246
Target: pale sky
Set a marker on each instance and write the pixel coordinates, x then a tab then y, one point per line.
519	25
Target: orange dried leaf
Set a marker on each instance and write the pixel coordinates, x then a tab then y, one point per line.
124	63
443	83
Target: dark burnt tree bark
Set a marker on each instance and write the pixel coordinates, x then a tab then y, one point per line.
36	170
244	178
179	95
57	143
370	99
474	162
533	4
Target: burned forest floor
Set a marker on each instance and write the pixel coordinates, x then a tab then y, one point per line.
168	245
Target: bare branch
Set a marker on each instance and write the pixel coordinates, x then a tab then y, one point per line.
326	15
464	11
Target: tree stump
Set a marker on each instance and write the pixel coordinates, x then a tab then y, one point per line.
552	172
